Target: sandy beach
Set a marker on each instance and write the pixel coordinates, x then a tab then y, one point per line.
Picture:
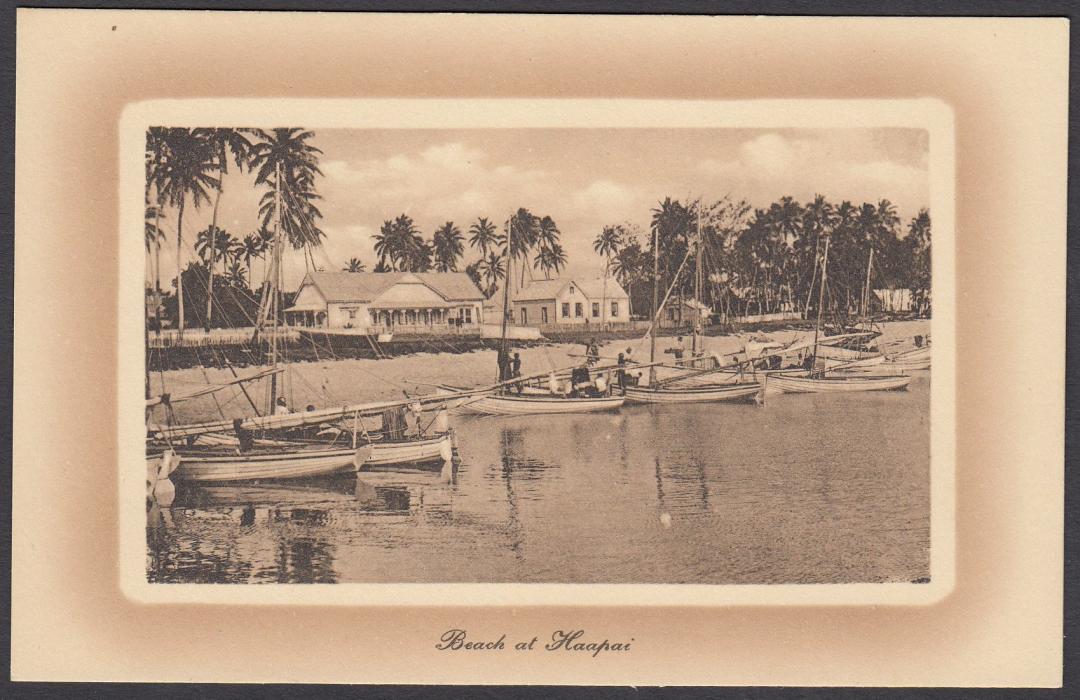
336	382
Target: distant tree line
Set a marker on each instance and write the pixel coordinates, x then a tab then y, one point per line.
769	259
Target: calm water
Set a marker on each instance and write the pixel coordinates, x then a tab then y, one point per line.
808	489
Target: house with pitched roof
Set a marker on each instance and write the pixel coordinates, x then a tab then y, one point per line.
380	302
571	302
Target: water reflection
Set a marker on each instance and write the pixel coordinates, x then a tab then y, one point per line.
810	489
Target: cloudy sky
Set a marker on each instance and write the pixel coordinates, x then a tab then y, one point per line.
582	178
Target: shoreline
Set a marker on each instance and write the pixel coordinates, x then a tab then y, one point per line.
337	381
321	348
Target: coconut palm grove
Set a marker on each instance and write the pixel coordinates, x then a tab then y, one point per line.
756	257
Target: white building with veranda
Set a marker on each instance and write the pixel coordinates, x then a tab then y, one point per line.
381	302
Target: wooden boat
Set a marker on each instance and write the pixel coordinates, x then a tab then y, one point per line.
159	467
716	392
830	363
512	405
308	460
835	383
914	359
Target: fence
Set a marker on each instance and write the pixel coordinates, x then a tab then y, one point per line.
199	337
762	318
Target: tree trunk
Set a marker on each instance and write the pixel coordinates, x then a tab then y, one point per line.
213	253
157	268
179	276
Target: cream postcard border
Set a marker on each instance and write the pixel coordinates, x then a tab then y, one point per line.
930	114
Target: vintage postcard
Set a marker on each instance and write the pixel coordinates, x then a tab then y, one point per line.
468	362
362	333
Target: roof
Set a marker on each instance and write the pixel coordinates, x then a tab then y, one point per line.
366	286
539	290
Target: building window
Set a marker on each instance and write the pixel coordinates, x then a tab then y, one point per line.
524	316
468	314
614	309
577	310
571	289
352	314
543	314
596	309
566	310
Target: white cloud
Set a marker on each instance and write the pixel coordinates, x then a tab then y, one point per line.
844	167
604	198
453	156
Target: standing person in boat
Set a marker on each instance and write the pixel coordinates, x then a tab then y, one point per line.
281	408
678	351
515	370
620	373
592	354
504	364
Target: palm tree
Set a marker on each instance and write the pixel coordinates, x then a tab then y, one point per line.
549	233
213	243
550	258
483	235
154	233
473	271
400	246
186	171
253	246
154	237
449	246
606	243
492	269
384	244
819	219
629	267
354	265
236	275
284	160
224	142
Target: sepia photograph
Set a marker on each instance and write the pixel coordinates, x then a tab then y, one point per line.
538	349
537	355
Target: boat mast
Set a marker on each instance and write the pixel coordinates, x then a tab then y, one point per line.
866	288
821	297
697	284
274	278
655	300
506	295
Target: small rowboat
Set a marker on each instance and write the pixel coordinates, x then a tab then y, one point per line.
872	361
716	392
511	405
840	383
835	352
308	460
915	359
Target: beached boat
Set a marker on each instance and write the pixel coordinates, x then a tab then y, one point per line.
511	405
914	359
835	383
830	363
716	392
301	460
